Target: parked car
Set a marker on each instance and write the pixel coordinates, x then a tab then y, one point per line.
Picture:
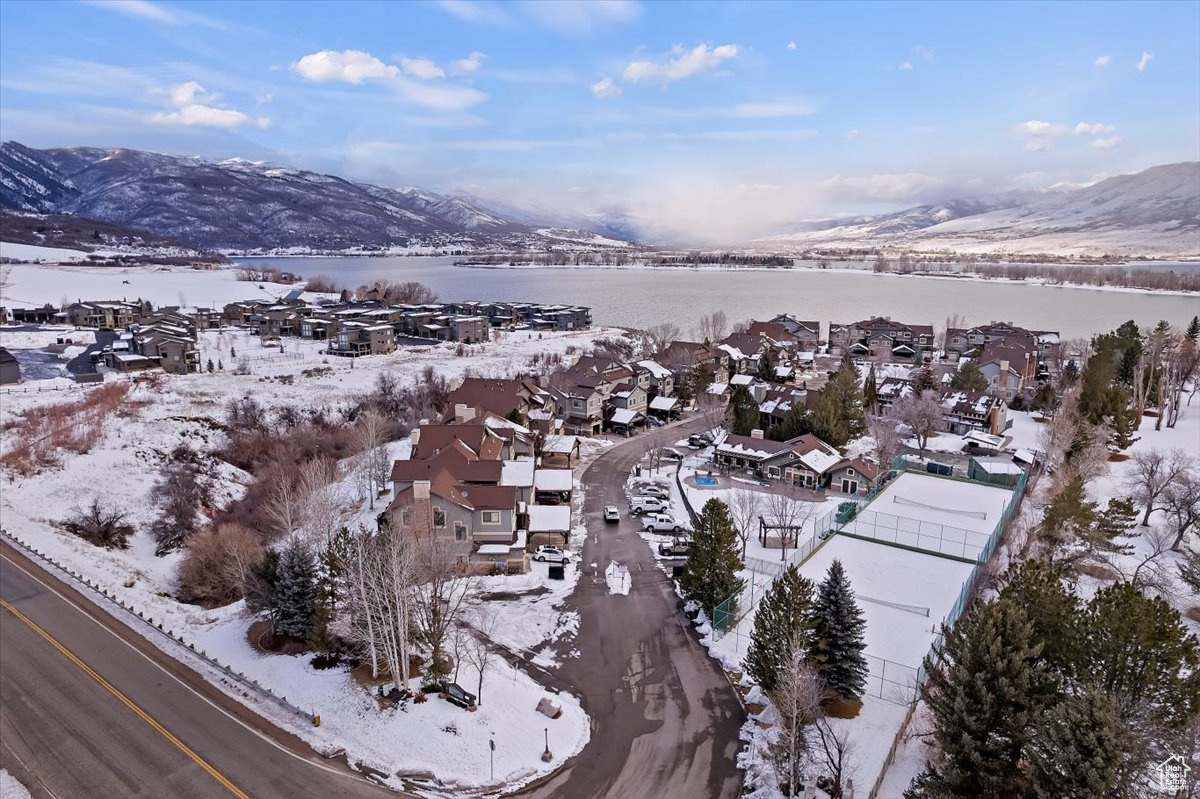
548	498
548	553
661	523
668	454
638	505
700	440
654	421
678	549
653	491
612	514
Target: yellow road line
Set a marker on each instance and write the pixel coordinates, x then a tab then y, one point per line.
180	745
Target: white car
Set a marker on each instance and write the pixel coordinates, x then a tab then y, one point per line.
548	553
647	505
653	491
662	523
612	514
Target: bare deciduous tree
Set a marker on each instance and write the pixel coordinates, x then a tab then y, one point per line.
888	442
372	465
711	327
442	586
1182	505
789	514
923	415
1154	470
659	336
745	508
797	698
379	605
479	650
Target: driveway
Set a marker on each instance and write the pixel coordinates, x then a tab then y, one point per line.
665	719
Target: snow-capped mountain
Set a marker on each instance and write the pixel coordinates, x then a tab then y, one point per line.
1155	212
247	205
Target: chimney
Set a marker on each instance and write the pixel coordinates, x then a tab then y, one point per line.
420	489
463	413
415	435
756	433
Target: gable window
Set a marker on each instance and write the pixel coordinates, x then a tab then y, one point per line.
491	516
406	517
439	518
460	531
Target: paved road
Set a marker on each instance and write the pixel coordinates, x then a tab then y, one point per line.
65	734
664	718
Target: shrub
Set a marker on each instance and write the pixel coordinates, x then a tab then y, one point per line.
49	430
322	284
218	565
100	524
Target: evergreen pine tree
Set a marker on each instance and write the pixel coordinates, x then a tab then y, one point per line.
850	398
838	635
710	576
1110	531
827	422
784	619
1136	649
1078	750
925	380
870	391
220	365
982	688
1045	399
1068	517
1193	330
766	367
211	368
1040	584
1096	380
741	416
1129	346
969	378
232	352
295	595
1123	423
796	422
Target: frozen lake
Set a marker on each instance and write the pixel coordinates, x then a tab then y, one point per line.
642	297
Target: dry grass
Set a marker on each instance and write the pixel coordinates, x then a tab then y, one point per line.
46	433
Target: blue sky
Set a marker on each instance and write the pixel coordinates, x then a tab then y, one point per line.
717	118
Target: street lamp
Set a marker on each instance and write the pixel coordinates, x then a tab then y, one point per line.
492	745
546	756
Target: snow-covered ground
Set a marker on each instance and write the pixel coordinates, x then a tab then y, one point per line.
123	468
11	788
33	252
32	285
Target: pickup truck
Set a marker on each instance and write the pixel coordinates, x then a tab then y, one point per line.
661	523
646	505
679	549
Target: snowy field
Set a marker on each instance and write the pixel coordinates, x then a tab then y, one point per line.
33	252
934	514
11	788
31	285
124	467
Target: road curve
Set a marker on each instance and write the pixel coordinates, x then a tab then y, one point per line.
665	719
90	709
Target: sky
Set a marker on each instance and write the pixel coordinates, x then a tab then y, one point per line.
717	121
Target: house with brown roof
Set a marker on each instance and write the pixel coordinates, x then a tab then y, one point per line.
500	396
1008	367
355	339
803	460
806	334
880	338
853	475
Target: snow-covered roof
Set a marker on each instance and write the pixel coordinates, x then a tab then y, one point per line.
552	479
655	368
718	388
549	518
561	445
492	549
741	380
517	473
783	371
997	465
820	461
1025	456
624	416
984	439
663	403
806	355
732	352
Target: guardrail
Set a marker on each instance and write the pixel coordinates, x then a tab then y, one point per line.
237	677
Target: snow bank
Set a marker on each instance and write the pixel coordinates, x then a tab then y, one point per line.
10	788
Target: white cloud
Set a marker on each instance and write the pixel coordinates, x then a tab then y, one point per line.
1143	61
263	99
473	12
1102	60
1106	144
1035	127
894	187
1039	135
581	16
203	115
471	63
152	12
923	52
193	106
421	68
605	87
1036	144
855	133
907	65
1094	129
774	109
348	66
791	45
683	63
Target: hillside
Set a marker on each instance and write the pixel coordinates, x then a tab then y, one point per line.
239	205
1151	213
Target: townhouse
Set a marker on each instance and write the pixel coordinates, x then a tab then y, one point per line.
880	338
